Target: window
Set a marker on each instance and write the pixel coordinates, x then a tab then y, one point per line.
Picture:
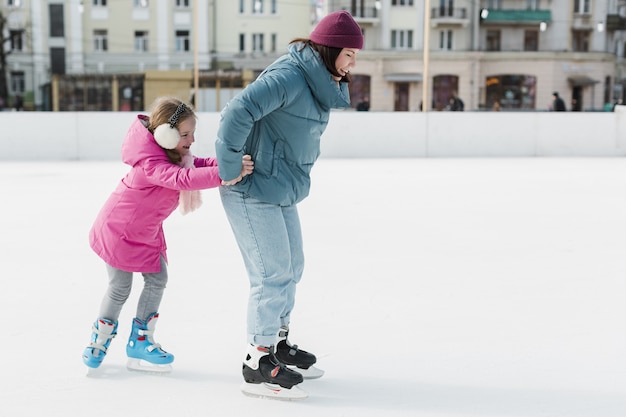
494	4
257	42
141	4
17	40
241	6
14	3
257	6
580	41
581	6
57	23
402	39
57	60
274	7
531	40
444	87
141	41
100	41
532	4
182	3
446	7
402	2
242	42
445	40
18	82
182	41
274	42
100	3
493	40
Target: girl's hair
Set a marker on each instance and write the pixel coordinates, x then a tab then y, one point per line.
164	108
328	54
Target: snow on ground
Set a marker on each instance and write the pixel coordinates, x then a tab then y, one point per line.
433	288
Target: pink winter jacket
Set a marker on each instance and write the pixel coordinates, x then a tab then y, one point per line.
128	232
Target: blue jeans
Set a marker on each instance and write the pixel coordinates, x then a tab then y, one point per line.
270	241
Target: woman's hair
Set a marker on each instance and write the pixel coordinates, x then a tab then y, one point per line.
328	54
162	110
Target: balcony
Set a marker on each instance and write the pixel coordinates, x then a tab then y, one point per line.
615	22
448	16
364	12
515	17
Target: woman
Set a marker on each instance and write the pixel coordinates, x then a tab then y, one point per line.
278	120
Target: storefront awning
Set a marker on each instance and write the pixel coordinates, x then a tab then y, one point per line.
581	81
405	77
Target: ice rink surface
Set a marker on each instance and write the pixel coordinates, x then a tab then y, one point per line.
433	288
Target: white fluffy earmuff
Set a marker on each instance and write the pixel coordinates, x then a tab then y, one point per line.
167	134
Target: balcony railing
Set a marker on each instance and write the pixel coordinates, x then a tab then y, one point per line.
448	12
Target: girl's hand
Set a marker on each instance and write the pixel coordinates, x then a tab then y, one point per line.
247	166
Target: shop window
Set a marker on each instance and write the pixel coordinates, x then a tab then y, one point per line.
511	91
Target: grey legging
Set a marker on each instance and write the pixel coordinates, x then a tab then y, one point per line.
120	285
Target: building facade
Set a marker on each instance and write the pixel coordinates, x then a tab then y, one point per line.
504	54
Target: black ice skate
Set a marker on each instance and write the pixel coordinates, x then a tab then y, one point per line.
266	377
297	359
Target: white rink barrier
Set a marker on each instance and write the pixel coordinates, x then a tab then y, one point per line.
92	136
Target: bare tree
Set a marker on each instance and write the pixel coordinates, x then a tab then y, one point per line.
5	50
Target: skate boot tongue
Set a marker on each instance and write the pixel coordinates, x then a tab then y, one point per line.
105	331
297	359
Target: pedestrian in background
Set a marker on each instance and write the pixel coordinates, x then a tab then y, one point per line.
557	103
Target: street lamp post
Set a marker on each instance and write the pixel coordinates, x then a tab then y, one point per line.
196	70
425	77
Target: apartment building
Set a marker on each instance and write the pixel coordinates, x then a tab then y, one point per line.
511	52
119	54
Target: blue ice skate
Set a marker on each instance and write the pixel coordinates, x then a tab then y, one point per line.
103	331
143	353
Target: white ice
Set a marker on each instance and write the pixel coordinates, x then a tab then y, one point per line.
433	288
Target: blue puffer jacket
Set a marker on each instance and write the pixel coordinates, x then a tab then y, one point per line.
278	119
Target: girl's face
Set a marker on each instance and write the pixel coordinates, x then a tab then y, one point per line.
187	129
345	61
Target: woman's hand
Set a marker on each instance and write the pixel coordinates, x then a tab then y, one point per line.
247	166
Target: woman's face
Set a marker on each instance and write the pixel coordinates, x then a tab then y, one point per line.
187	129
345	61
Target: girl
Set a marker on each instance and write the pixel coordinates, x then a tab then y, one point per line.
128	232
279	119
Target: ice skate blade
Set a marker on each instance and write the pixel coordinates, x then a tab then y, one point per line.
273	392
311	373
139	365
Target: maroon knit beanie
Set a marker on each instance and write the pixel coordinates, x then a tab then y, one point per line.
338	30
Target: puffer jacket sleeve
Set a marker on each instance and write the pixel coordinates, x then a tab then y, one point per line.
165	174
272	90
204	162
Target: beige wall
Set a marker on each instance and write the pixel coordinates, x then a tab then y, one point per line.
167	83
